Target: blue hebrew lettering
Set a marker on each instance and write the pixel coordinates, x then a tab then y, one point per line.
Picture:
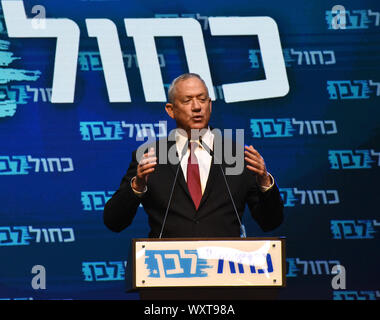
269	265
272	128
360	89
85	130
292	267
89	61
367	228
115	270
357	19
336	229
346	89
370	295
288	197
95	200
354	295
7	108
330	17
14	236
351	229
99	130
333	90
232	266
103	271
254	56
13	165
334	158
220	265
345	295
362	159
88	271
87	201
173	264
83	61
9	99
287	57
348	159
18	93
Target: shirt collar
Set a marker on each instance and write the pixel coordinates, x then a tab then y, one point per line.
207	138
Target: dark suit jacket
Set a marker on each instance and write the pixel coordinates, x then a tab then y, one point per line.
215	216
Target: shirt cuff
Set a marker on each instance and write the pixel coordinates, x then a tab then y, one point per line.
265	189
138	193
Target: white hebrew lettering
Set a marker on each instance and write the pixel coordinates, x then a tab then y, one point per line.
112	60
143	32
276	83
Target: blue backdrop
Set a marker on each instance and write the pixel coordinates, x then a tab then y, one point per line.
60	160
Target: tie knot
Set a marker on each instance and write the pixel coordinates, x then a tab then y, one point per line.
193	157
193	146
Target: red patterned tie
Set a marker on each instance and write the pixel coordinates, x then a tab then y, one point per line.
193	177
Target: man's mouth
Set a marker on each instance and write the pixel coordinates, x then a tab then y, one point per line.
197	118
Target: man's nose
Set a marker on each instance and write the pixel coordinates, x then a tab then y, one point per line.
195	105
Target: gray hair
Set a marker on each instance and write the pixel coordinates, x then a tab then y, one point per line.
185	76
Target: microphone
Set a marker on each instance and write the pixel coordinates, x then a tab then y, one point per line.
174	182
243	233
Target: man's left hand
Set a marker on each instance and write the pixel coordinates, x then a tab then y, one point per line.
256	164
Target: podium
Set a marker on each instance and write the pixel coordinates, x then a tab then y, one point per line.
212	268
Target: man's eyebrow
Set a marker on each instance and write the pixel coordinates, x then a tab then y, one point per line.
198	95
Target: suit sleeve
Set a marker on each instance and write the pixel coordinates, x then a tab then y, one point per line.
120	210
265	207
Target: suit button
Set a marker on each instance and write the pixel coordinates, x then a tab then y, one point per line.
196	221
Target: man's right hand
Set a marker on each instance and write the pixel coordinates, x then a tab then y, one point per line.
144	169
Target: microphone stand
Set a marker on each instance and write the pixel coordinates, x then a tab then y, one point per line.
174	182
243	233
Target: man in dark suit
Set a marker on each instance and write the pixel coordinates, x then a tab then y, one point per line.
201	205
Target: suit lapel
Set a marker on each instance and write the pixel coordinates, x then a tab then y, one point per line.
212	177
210	181
180	179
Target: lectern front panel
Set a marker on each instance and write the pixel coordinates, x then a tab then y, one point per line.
202	263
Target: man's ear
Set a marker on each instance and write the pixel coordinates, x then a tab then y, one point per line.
169	110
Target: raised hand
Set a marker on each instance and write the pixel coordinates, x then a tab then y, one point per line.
144	169
256	164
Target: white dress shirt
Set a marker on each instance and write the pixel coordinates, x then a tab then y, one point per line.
203	157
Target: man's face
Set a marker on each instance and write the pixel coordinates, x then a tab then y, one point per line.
191	107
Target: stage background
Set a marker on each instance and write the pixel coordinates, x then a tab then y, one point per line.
60	162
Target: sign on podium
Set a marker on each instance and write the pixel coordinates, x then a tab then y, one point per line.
220	262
